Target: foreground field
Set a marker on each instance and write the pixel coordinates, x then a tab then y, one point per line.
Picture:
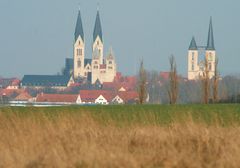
121	136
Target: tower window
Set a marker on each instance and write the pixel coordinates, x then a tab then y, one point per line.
79	52
110	62
192	67
192	56
99	51
79	63
97	42
210	66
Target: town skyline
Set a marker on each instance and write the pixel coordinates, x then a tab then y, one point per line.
50	36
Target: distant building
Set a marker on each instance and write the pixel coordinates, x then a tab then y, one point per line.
58	99
98	67
196	67
9	83
43	81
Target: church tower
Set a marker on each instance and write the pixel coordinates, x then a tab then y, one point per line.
210	51
98	38
79	49
193	60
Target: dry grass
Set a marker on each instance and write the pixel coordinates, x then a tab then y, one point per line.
82	141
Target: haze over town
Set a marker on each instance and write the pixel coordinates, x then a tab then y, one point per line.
36	37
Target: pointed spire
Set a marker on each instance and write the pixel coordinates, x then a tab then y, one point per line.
111	54
79	27
210	43
97	28
193	44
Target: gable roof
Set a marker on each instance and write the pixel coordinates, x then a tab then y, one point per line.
79	28
128	96
45	80
5	82
92	95
23	96
57	98
97	28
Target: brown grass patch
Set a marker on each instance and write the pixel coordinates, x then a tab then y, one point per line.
81	141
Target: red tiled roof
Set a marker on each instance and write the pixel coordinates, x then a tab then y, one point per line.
65	98
92	95
23	96
15	82
127	96
10	92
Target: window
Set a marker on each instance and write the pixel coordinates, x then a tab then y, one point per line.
110	62
97	42
79	63
95	67
192	56
210	66
192	67
110	67
79	52
210	56
95	62
99	51
79	43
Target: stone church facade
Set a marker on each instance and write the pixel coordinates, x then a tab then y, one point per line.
98	68
196	66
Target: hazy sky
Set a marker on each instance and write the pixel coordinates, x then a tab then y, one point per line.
37	35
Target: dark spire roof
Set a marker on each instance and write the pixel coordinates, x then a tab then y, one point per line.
210	43
193	44
79	27
97	28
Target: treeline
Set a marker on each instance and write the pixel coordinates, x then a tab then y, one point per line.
177	89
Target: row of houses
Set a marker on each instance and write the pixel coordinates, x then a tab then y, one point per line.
84	97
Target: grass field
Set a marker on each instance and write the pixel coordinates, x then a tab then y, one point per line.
121	136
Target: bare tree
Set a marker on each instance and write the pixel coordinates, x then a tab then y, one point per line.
206	82
173	87
215	82
142	83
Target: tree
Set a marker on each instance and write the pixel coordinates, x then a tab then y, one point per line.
142	83
206	82
215	82
173	77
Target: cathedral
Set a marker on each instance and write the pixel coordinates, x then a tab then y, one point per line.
98	68
196	67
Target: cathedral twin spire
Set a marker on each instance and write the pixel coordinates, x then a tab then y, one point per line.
97	28
210	42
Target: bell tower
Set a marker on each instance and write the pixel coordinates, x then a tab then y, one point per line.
193	67
79	49
98	38
210	51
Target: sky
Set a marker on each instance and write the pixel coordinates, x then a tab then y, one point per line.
37	35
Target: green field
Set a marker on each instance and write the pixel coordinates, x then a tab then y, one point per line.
147	114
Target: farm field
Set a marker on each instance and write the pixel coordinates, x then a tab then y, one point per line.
120	136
